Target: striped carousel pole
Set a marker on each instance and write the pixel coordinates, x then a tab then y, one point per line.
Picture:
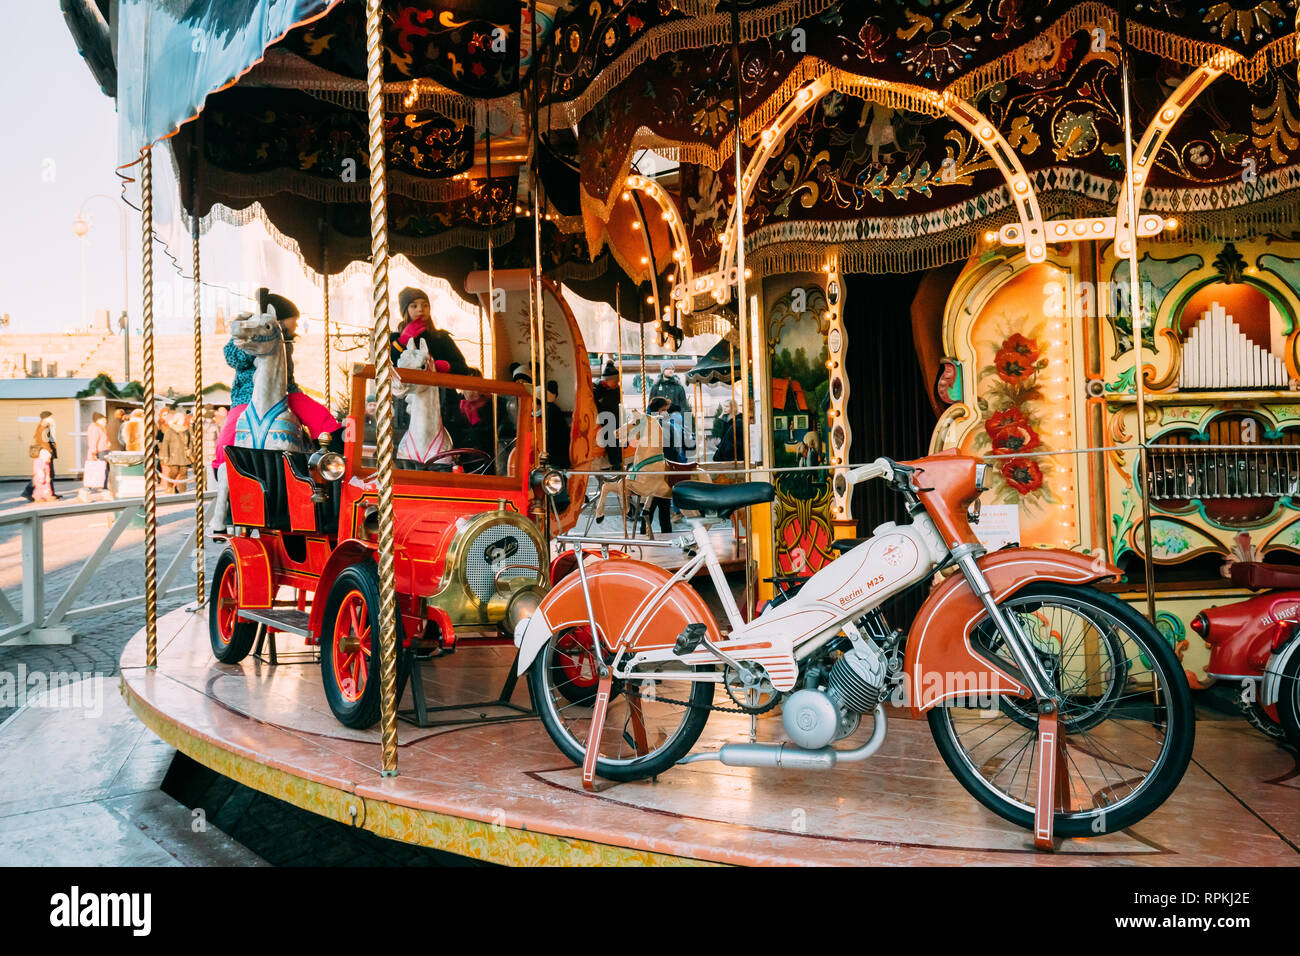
382	358
150	442
196	425
325	313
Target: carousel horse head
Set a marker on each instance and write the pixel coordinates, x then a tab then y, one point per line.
414	356
257	334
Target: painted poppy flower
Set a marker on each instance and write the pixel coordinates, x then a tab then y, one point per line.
1012	367
1026	348
1004	419
1023	475
1015	438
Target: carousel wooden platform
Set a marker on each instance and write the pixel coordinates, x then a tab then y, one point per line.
501	792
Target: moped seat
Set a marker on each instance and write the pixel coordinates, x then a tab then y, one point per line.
1265	577
721	500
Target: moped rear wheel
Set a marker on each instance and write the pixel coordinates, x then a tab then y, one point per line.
647	728
1123	760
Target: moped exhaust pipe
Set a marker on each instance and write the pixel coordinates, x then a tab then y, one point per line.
789	757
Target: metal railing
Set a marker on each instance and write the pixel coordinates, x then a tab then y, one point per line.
36	622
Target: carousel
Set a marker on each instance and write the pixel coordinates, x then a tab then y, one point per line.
1007	299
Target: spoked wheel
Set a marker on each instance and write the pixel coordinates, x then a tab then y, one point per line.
349	658
230	637
1087	664
1122	759
575	666
645	731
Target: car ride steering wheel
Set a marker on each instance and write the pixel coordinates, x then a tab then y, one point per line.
464	453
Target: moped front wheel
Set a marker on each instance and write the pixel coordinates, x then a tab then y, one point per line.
1288	702
651	721
1123	759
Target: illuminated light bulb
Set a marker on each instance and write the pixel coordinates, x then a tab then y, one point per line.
826	268
1123	247
649	300
748	273
1035	250
626	195
1021	186
1061	228
645	260
664	216
1080	228
1171	223
636	225
990	236
1168	115
1139	175
986	132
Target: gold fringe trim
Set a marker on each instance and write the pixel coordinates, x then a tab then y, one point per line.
329	189
285	70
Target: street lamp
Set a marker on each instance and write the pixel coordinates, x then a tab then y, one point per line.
81	226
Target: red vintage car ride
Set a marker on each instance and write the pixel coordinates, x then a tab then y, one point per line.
469	554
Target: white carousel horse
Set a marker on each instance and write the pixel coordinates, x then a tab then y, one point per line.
266	422
425	438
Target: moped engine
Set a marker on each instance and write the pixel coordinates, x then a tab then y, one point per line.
813	718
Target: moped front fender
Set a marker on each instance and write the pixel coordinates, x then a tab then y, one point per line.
940	663
620	591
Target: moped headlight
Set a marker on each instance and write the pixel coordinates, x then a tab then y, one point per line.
523	604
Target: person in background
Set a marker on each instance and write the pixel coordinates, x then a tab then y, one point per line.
210	428
98	446
473	426
659	410
730	433
115	433
133	431
557	440
670	387
417	323
609	414
175	454
42	483
43	442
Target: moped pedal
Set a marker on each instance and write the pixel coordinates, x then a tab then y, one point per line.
689	639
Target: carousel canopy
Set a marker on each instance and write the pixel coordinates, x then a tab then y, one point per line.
876	167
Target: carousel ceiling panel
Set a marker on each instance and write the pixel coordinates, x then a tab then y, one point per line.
918	189
961	46
171	54
260	141
469	46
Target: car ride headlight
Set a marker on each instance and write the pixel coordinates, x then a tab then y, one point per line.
523	604
553	483
330	466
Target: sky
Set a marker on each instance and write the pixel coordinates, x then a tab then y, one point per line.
57	159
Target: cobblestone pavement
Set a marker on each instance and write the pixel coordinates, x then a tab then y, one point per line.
99	639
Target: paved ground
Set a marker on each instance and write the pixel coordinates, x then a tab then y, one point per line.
68	542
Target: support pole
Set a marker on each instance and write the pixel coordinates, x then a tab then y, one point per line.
742	302
539	385
150	446
196	427
1135	309
325	314
381	355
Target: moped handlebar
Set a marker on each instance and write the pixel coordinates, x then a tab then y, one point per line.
880	468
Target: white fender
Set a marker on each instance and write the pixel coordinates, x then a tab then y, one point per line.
531	636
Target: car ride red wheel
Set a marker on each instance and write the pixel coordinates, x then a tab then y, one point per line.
230	637
575	676
350	651
349	658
